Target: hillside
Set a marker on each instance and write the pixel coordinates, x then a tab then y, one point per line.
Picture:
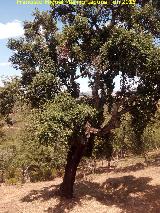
130	187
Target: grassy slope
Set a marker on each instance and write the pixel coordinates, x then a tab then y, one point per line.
130	187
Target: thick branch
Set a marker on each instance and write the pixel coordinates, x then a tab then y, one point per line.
114	121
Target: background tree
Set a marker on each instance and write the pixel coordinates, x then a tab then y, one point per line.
101	42
9	94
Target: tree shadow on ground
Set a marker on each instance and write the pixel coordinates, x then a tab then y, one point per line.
129	193
131	168
44	194
106	169
64	205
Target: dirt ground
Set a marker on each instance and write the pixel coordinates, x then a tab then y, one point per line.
131	187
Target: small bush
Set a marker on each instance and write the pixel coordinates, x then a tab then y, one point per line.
13	176
12	181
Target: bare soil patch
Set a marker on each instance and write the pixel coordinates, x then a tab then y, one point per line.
131	187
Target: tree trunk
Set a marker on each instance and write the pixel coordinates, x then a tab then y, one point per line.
74	156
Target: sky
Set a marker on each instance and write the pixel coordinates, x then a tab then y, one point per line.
12	16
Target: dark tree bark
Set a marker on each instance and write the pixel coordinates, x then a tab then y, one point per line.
74	156
78	145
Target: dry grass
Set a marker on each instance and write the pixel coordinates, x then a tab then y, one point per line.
131	187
